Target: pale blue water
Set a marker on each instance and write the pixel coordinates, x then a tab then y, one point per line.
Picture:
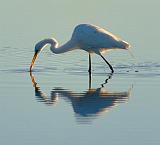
58	104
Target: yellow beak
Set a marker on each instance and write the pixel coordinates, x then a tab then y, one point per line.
33	61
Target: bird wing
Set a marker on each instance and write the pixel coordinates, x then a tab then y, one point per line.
91	36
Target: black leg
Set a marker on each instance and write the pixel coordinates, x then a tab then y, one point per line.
90	80
89	70
108	64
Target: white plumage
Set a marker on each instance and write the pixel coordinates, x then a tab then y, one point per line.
88	37
94	38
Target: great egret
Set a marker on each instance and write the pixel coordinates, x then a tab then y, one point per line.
88	37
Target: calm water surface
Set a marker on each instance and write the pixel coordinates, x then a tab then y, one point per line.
59	103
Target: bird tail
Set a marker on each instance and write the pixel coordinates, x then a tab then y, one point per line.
126	44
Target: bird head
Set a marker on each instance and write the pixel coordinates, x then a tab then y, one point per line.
40	46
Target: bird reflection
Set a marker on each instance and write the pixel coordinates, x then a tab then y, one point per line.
86	105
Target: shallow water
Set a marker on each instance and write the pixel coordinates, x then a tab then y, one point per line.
59	102
59	105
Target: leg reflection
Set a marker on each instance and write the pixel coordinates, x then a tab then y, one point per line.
107	79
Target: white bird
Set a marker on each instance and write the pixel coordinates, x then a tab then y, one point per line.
88	37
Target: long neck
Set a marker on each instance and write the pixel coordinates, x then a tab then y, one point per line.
70	45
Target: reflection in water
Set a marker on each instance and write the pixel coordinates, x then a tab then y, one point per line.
86	105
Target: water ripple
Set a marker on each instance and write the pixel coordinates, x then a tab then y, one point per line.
26	70
137	70
22	57
145	69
